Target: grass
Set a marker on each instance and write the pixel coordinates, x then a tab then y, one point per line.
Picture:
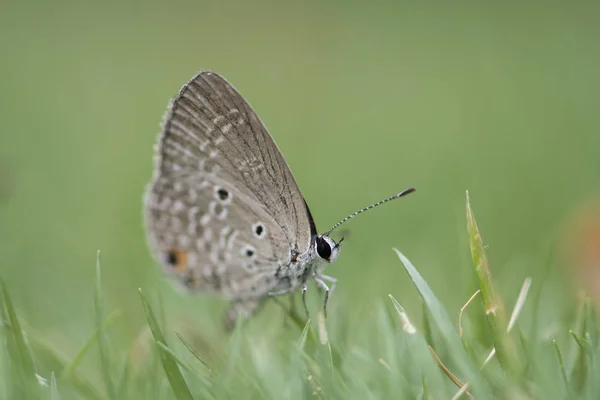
389	357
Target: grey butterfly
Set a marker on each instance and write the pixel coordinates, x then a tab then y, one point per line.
223	211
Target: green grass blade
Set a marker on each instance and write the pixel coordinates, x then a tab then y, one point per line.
304	335
561	365
105	367
591	324
583	344
427	332
581	362
54	395
447	329
26	382
189	368
176	379
424	389
177	359
407	326
506	349
197	356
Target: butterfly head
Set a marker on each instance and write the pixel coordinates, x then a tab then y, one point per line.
326	248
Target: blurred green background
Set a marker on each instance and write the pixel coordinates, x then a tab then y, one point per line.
364	99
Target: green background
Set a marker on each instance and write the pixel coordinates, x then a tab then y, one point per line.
364	99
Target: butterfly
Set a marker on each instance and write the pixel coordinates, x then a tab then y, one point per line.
223	211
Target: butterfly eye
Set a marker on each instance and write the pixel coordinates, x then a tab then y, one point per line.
323	248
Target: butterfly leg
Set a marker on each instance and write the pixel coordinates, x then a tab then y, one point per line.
304	289
331	280
321	283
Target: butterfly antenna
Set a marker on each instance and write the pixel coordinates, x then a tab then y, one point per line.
394	197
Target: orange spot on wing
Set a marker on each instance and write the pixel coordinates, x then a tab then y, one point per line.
177	259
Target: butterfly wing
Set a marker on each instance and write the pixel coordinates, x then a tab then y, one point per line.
223	212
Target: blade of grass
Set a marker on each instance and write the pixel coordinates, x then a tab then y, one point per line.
461	391
176	380
515	313
385	364
197	356
407	326
581	364
519	303
54	395
304	335
592	338
205	394
425	389
583	344
561	365
494	307
324	340
448	332
462	310
188	368
448	373
323	335
26	382
179	361
427	332
105	366
592	324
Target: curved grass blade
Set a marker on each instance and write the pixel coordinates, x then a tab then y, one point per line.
26	381
407	326
561	365
188	368
176	380
444	324
304	335
54	395
197	356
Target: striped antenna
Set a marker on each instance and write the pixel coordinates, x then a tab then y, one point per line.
394	197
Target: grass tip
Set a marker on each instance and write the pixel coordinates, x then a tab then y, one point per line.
407	326
323	336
